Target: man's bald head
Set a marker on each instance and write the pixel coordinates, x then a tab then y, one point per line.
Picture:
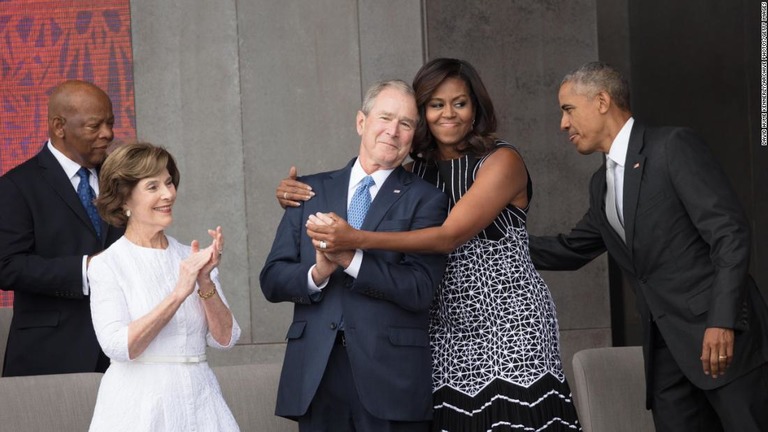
80	122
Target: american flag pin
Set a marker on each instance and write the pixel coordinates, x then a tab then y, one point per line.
636	165
397	190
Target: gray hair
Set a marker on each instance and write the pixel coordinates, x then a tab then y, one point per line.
594	77
378	87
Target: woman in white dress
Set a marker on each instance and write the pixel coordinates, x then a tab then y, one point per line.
145	316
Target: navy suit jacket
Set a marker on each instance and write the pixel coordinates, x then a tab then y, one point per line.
44	233
686	253
385	310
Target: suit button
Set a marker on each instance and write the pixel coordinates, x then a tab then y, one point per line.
334	326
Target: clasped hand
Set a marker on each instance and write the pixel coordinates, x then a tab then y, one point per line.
197	267
334	231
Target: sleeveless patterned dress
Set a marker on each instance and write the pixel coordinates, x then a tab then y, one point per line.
494	332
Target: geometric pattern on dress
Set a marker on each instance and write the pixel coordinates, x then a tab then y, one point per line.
494	318
493	324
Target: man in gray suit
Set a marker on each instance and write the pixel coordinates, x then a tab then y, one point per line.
358	355
665	211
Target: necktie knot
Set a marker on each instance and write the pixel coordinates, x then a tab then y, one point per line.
366	182
86	195
84	174
360	203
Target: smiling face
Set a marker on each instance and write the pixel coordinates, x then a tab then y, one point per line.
387	130
449	113
151	203
584	119
80	123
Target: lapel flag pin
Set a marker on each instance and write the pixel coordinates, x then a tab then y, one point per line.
636	165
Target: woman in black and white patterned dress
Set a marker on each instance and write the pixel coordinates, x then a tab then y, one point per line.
494	331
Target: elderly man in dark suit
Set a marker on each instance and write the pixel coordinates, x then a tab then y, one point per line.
358	355
665	211
49	228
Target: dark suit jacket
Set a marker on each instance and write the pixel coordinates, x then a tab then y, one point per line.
386	309
687	249
44	233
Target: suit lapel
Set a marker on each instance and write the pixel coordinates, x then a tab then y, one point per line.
336	187
53	174
633	174
388	194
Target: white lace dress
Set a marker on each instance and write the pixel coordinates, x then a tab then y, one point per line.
127	281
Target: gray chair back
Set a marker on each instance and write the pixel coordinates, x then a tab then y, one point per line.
251	393
609	390
48	402
6	314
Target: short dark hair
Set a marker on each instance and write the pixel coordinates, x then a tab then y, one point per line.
594	77
481	139
122	171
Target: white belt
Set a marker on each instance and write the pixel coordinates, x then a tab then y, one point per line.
171	359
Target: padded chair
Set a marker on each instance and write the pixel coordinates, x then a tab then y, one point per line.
609	390
48	402
5	326
251	393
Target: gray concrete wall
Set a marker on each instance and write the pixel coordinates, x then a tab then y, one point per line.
241	90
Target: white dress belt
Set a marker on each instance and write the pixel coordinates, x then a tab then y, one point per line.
171	359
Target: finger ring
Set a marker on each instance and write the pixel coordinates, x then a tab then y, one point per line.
723	357
285	195
323	244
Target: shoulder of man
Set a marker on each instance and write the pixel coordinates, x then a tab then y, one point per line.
23	169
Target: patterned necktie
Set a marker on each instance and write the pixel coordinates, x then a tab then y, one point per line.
86	195
361	202
611	210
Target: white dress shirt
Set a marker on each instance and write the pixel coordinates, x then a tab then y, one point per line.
618	154
71	168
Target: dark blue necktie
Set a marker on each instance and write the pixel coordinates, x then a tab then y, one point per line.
86	195
360	203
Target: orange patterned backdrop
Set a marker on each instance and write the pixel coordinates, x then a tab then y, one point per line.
45	42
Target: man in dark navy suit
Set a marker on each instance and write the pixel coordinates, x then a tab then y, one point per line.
47	235
358	354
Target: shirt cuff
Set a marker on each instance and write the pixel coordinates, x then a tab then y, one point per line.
311	286
86	289
354	266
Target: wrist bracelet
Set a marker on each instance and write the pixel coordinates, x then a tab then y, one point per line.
207	295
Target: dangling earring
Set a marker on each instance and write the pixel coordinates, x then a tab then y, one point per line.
473	123
127	213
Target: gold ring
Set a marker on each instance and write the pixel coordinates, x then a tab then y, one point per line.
723	357
285	195
323	244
